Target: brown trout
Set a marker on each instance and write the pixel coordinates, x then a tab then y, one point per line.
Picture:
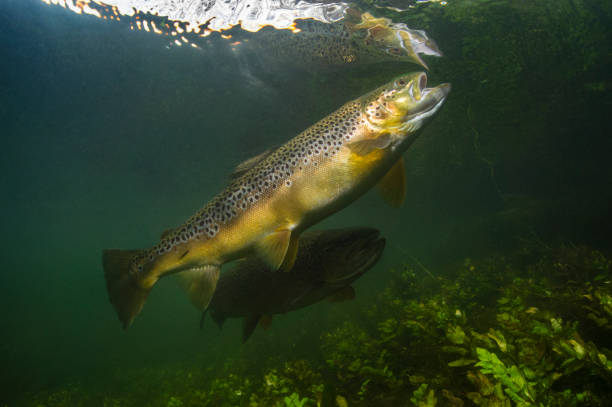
327	263
358	39
274	197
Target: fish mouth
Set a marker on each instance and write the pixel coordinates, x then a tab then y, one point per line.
427	100
406	104
363	248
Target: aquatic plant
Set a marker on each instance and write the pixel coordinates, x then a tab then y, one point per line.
422	398
294	400
174	402
513	345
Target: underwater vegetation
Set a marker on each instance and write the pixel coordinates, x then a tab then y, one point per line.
531	328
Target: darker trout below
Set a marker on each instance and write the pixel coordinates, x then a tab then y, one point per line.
328	262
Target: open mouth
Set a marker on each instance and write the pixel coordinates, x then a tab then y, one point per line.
430	100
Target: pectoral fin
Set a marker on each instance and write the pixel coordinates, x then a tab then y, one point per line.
392	186
345	294
278	249
365	147
200	284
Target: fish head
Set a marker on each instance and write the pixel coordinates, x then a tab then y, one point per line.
346	254
402	106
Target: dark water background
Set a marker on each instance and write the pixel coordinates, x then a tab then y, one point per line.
109	138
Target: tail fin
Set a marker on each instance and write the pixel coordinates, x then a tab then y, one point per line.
125	291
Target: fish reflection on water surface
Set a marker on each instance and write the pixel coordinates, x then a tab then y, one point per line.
278	195
360	38
327	263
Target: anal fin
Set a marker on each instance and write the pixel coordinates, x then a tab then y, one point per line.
200	284
215	315
248	326
392	186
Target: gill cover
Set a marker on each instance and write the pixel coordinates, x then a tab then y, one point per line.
387	107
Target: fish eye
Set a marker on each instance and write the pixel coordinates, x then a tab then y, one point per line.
395	51
401	82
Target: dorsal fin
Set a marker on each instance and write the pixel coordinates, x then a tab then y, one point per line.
166	233
249	163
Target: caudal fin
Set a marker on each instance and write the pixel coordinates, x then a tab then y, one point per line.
125	291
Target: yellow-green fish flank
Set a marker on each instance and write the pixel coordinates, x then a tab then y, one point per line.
275	197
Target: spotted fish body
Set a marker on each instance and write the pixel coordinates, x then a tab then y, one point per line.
280	194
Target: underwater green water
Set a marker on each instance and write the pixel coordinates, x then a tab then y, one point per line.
110	137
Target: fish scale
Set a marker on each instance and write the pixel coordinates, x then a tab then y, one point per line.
320	142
